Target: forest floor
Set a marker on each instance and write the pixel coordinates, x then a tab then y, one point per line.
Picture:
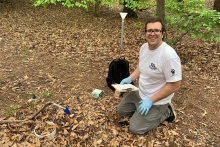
61	55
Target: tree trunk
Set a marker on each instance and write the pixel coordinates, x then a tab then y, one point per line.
217	5
97	12
160	10
131	13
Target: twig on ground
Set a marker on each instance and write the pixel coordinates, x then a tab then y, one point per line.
29	118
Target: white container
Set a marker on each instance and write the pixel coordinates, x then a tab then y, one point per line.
53	133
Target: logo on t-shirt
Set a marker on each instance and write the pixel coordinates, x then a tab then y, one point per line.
152	66
173	72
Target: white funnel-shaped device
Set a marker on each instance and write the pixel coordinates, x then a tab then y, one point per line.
123	15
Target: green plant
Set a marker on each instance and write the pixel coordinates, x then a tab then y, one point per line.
32	103
47	94
192	18
11	110
71	3
138	4
139	25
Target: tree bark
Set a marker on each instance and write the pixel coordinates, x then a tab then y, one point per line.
217	5
160	9
97	12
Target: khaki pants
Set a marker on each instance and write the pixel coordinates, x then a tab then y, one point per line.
140	124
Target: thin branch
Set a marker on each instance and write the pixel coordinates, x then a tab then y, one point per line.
181	36
29	118
35	114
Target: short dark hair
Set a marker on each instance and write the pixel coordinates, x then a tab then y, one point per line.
156	19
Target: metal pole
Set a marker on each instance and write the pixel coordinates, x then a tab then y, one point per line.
122	33
123	15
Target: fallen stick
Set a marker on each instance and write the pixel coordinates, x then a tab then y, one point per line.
29	118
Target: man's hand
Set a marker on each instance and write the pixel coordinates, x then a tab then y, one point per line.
145	106
127	80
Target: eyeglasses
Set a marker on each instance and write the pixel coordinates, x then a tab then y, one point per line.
150	31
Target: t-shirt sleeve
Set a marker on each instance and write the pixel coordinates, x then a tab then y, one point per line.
172	70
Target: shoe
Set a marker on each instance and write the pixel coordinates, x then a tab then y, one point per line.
123	123
172	116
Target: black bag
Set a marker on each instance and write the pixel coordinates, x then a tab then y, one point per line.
118	70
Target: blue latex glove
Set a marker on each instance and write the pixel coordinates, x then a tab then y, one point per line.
145	106
127	80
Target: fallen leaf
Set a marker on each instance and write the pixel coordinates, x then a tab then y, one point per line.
99	141
73	134
204	113
171	132
65	131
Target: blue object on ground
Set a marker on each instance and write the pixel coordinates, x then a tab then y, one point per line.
67	111
34	96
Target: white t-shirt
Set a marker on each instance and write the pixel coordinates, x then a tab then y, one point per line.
157	67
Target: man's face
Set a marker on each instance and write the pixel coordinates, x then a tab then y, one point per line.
154	35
